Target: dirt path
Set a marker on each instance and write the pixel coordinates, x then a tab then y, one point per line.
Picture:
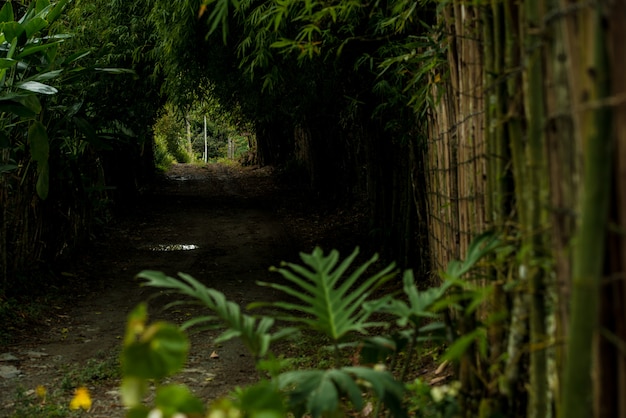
222	226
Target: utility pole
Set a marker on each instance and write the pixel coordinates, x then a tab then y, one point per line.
206	156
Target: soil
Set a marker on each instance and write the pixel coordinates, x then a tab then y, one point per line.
223	225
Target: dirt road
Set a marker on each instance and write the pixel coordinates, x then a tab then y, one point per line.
223	226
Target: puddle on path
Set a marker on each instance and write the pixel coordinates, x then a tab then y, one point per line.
170	247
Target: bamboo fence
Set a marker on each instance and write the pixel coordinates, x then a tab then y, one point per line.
472	146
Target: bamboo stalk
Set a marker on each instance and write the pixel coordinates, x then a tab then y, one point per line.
539	392
596	128
518	326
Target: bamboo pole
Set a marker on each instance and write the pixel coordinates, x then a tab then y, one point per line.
533	228
595	122
518	326
618	288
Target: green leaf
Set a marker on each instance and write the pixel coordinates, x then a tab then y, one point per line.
7	62
37	87
253	333
56	11
334	304
34	25
6	13
263	399
159	351
31	49
133	390
139	411
115	70
478	248
456	350
43	179
319	391
31	102
12	31
16	109
38	142
41	5
172	399
75	57
5	168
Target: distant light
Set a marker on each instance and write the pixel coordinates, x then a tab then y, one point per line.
171	247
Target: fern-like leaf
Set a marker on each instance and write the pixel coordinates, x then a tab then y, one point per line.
254	333
325	300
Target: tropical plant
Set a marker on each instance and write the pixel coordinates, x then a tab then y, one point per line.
28	66
328	296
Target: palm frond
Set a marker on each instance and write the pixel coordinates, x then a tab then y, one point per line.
254	333
326	300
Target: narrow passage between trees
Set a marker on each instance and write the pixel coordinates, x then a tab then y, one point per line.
224	226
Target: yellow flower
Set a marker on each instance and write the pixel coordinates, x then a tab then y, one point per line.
40	391
81	399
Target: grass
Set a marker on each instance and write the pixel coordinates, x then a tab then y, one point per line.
105	367
54	403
